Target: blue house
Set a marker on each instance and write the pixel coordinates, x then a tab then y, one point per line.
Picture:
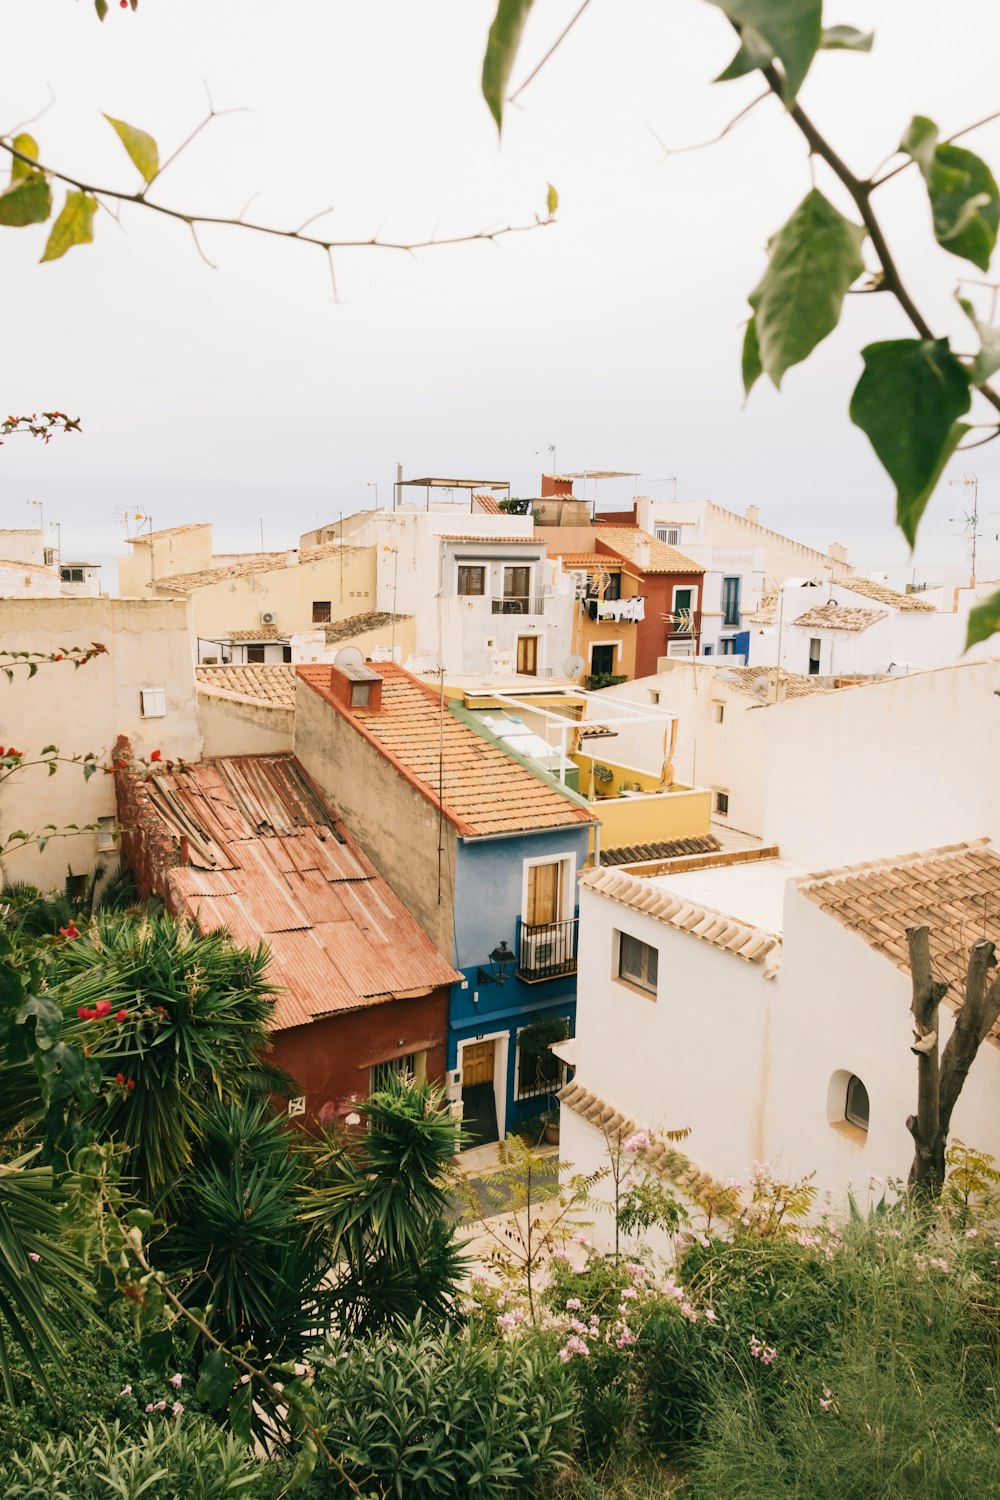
483	852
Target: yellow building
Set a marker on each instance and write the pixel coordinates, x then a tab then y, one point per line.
603	635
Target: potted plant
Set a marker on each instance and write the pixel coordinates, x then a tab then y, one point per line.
551	1119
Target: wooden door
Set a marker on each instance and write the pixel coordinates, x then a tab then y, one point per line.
544	894
527	655
477	1063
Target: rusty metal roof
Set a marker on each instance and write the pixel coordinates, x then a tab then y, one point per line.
272	863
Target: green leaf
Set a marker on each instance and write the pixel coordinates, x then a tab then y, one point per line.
965	199
142	149
215	1379
846	39
790	28
551	200
752	367
754	53
984	621
305	1462
987	361
47	1018
74	226
501	50
28	146
907	401
28	200
101	6
813	261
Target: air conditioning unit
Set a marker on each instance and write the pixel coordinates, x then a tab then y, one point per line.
268	617
539	950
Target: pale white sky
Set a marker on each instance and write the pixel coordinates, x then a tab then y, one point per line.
245	393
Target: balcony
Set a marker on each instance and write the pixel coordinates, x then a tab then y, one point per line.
546	950
518	604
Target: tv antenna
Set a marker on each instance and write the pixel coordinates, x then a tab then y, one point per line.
969	520
549	448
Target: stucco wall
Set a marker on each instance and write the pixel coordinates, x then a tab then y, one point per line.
885	768
85	710
330	1058
28	582
235	726
184	551
396	826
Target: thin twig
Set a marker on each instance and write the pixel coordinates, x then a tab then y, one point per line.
877	182
372	243
197	244
700	145
15	129
554	48
214	114
980	442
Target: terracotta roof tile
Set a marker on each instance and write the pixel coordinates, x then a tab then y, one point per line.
756	682
454	536
484	791
272	863
869	588
266	562
833	616
750	943
344	630
635	854
954	890
487	506
627	540
273	685
589	560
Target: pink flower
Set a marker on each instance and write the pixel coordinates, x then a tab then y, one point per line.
629	1291
177	1408
711	1316
573	1304
573	1346
637	1142
126	1390
625	1337
634	1270
34	1255
506	1321
352	1119
970	1234
176	1381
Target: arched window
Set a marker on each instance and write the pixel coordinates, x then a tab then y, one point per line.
856	1103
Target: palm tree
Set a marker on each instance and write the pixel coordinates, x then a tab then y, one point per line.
381	1207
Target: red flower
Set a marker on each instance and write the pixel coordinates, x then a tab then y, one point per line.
121	1015
156	755
130	1084
120	1079
58	656
73	931
83	1013
103	1008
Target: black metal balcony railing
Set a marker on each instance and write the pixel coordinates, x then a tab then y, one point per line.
519	604
546	950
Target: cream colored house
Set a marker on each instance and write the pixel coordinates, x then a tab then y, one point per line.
246	607
29	569
143	686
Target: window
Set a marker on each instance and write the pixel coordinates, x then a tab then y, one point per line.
727	646
71	575
106	833
718	713
654	695
360	694
545	893
814	650
637	962
722	804
856	1103
286	653
669	534
412	1065
683	601
707	650
602	660
471	580
322	611
255	653
730	601
153	703
76	887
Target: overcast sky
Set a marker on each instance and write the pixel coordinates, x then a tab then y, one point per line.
245	394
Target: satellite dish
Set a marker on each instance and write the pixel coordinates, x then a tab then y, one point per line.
573	666
349	656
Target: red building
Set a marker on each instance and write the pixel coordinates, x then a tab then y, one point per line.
670	585
248	844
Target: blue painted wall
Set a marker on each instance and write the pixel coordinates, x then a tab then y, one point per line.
489	885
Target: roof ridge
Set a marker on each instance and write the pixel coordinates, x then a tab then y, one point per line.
744	939
896	862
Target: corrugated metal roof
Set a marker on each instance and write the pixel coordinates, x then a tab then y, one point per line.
271	862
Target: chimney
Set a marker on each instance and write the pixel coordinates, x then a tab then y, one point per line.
357	688
838	552
553	487
642	552
752	514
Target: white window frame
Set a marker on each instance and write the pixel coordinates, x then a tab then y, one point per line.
107	832
618	650
686	588
153	702
567	898
651	991
718	711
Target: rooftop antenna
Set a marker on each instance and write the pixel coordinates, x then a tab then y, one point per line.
668	479
549	448
969	520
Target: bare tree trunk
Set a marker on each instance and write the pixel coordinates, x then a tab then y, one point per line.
940	1079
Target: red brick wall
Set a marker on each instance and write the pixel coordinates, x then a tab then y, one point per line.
146	845
330	1058
652	633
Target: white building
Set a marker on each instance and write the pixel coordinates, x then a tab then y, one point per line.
30	569
687	523
767	1008
857	627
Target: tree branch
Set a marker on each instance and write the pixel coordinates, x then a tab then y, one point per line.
373	243
554	48
966	130
978	1012
714	140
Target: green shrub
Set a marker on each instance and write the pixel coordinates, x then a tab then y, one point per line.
420	1416
168	1459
